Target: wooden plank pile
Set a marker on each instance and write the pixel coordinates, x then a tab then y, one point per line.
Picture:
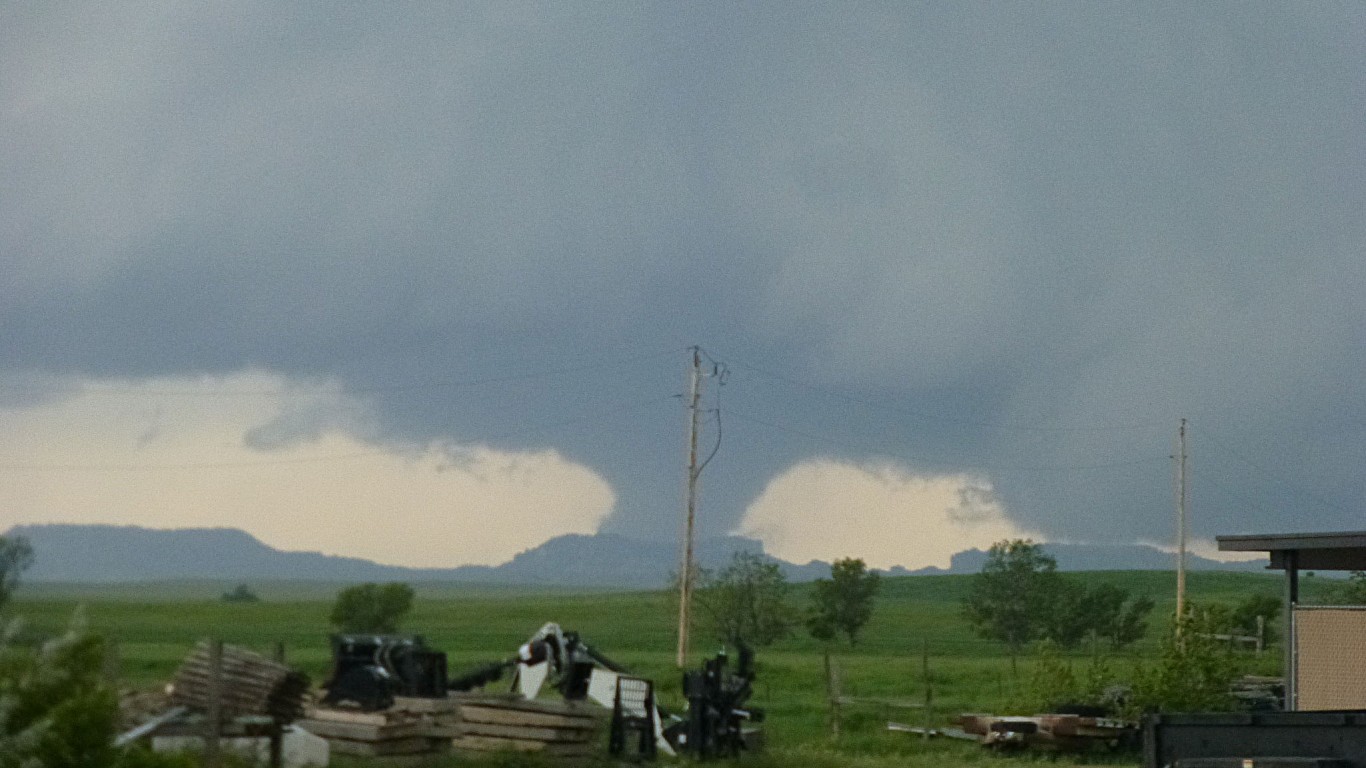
1259	694
463	722
493	723
409	727
250	684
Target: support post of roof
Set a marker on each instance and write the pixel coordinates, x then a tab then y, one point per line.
1291	559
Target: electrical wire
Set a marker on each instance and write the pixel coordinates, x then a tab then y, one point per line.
1241	498
869	403
1206	436
720	373
379	389
948	465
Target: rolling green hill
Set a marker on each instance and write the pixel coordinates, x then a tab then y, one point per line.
155	626
469	619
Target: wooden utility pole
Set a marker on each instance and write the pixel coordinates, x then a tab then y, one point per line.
686	575
1181	527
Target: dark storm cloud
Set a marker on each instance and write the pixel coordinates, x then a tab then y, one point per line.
1006	240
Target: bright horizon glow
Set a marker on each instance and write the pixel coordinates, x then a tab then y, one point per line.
883	513
177	453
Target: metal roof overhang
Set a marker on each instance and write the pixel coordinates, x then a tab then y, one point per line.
1292	553
1340	551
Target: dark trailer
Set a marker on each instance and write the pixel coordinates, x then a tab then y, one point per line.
1324	722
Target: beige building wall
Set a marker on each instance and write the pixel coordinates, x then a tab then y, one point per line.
1330	646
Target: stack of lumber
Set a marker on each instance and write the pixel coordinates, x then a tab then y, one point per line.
1259	694
493	723
409	727
250	684
465	722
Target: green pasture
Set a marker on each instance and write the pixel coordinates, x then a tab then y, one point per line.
917	621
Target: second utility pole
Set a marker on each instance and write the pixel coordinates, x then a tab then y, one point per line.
1181	528
685	578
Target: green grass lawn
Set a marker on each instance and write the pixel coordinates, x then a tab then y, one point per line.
154	626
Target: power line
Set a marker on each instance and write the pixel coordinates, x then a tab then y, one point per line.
1241	498
949	465
378	389
1271	475
870	403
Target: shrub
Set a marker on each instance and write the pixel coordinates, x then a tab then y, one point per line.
241	594
1193	672
372	607
55	708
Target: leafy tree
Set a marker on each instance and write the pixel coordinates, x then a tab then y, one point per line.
1010	598
1349	592
1131	624
746	602
377	608
843	603
241	594
16	555
58	711
1105	612
55	708
1019	597
1068	620
1243	619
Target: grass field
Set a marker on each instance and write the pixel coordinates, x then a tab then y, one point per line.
155	625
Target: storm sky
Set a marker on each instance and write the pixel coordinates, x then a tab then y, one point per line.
418	281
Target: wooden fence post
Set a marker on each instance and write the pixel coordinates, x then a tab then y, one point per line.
214	725
277	738
929	694
832	687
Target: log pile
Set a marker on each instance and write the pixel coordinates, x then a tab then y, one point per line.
510	723
250	684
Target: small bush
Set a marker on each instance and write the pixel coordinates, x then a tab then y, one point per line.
1193	672
241	594
372	608
55	709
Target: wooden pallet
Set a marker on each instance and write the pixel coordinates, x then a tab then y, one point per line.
414	745
410	727
506	723
465	722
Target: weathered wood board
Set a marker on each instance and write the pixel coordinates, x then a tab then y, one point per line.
414	745
424	706
471	713
249	684
501	723
493	744
375	734
527	733
464	722
338	729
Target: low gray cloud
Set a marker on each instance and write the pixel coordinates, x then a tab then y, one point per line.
1007	240
976	504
